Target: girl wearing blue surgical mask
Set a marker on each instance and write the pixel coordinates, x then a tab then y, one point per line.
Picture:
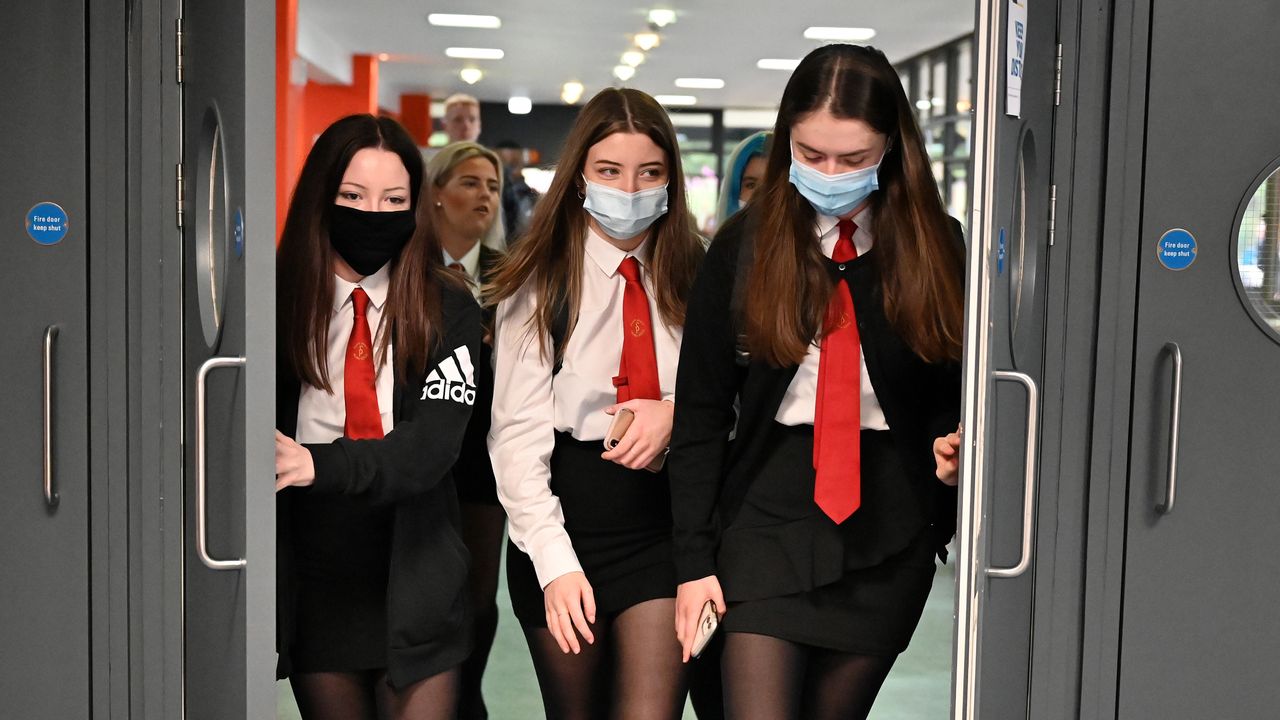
824	336
590	309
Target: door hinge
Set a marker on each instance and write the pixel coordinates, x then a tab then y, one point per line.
1057	78
180	50
182	191
1053	211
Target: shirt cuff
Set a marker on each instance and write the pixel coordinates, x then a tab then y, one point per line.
554	559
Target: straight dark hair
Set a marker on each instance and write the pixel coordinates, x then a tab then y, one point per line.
920	262
304	259
550	254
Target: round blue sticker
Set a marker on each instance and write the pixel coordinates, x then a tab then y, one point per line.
237	233
47	223
1176	249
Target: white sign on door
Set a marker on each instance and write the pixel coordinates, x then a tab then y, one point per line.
1016	55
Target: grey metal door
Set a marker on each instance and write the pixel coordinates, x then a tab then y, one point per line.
44	434
227	304
1199	630
1005	366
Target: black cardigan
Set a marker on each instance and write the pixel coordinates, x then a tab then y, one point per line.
427	613
710	475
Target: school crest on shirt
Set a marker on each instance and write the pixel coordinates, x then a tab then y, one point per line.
637	327
452	379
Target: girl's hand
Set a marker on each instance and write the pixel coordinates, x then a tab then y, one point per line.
690	597
946	454
570	603
648	436
294	465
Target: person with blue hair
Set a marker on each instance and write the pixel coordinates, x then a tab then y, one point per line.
746	170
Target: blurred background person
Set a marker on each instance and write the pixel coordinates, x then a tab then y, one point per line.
462	118
745	171
518	198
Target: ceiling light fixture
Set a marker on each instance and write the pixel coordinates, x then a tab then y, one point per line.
923	105
846	34
777	64
471	75
383	57
572	91
647	40
519	105
467	53
700	83
632	58
624	72
662	17
676	99
488	22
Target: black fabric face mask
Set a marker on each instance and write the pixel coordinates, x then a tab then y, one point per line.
369	240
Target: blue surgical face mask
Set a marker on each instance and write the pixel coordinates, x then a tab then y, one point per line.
834	195
624	215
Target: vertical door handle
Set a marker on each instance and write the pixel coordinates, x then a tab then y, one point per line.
1029	477
1175	421
51	497
202	524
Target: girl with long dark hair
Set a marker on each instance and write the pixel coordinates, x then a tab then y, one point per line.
375	384
829	314
590	308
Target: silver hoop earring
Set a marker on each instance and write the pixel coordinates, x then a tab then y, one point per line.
438	204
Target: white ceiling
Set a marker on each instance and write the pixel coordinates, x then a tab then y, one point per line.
549	42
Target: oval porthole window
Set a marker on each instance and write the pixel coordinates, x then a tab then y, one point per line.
1257	254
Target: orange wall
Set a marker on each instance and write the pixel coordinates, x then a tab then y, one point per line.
290	151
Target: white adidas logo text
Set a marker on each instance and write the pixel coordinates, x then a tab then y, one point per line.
453	379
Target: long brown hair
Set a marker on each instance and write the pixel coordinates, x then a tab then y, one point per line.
919	261
304	261
550	254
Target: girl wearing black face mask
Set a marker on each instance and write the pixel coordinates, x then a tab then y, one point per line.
375	385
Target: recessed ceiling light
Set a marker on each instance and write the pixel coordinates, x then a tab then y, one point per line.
662	17
647	40
624	72
777	64
474	53
572	92
471	75
490	22
700	83
676	99
854	34
632	58
922	105
519	105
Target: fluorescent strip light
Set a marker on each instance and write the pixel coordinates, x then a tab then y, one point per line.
777	64
474	53
489	22
676	99
700	83
853	34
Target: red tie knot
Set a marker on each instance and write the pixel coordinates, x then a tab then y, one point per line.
360	300
630	269
459	267
845	250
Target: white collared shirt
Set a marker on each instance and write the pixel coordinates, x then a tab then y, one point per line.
530	404
470	262
797	406
322	415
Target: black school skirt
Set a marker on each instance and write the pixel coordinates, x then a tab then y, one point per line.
619	521
789	572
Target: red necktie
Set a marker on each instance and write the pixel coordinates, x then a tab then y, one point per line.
638	371
459	267
837	421
359	390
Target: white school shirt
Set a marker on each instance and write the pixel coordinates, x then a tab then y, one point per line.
530	404
470	262
322	415
797	406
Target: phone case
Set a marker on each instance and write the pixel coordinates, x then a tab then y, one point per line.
618	428
708	622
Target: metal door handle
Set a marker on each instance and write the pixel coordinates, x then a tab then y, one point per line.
1171	483
51	497
1029	482
202	525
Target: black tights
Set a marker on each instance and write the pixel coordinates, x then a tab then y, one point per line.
367	696
482	531
773	679
632	671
